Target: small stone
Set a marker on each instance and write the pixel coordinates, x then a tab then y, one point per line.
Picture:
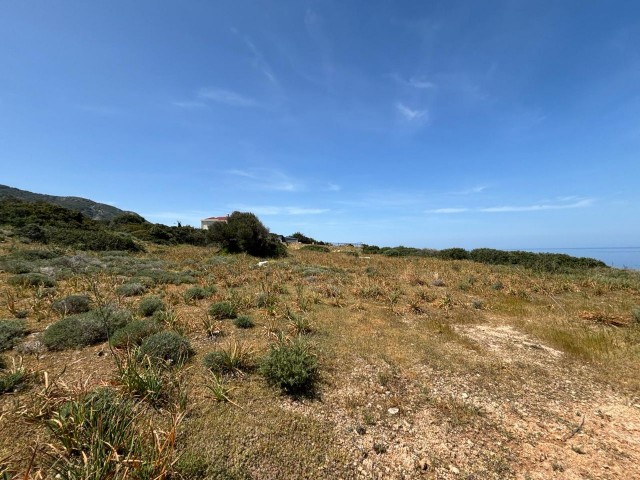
393	411
423	465
465	396
454	470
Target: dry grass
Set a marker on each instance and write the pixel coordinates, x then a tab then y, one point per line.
426	366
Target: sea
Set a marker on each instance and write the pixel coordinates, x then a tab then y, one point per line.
619	257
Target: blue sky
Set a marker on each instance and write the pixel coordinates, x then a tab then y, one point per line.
507	124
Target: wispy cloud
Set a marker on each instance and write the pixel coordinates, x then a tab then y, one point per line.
274	210
411	114
537	207
471	191
190	104
226	97
449	210
419	82
580	203
332	187
268	179
258	60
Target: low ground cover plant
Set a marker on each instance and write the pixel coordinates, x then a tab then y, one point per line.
72	304
10	333
243	321
150	305
197	293
235	358
131	289
85	329
134	333
223	310
291	366
32	280
167	348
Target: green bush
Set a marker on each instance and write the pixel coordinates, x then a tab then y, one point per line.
243	321
244	233
635	313
131	289
134	333
85	329
197	293
315	248
291	366
166	347
72	304
222	310
10	332
150	305
32	280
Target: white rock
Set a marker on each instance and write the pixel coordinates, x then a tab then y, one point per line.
393	411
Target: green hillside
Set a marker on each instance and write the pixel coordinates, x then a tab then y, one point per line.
89	208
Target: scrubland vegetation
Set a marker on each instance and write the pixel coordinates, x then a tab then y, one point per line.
187	362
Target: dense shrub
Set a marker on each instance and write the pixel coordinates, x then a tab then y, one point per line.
453	254
635	314
243	321
307	240
166	347
132	289
290	366
135	332
243	232
316	248
197	293
32	280
85	329
223	310
10	332
150	305
72	304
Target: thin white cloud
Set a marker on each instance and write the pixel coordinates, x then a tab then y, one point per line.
449	210
267	179
190	104
471	191
226	97
411	114
421	82
581	203
542	206
332	187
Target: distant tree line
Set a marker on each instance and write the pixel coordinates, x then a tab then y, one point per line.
307	240
51	224
546	262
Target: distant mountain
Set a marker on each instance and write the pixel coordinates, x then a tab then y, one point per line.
89	208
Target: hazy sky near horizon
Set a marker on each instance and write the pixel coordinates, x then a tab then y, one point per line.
507	124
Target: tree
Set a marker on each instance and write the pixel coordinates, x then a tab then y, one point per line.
243	232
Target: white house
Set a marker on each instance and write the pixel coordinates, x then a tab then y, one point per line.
205	223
